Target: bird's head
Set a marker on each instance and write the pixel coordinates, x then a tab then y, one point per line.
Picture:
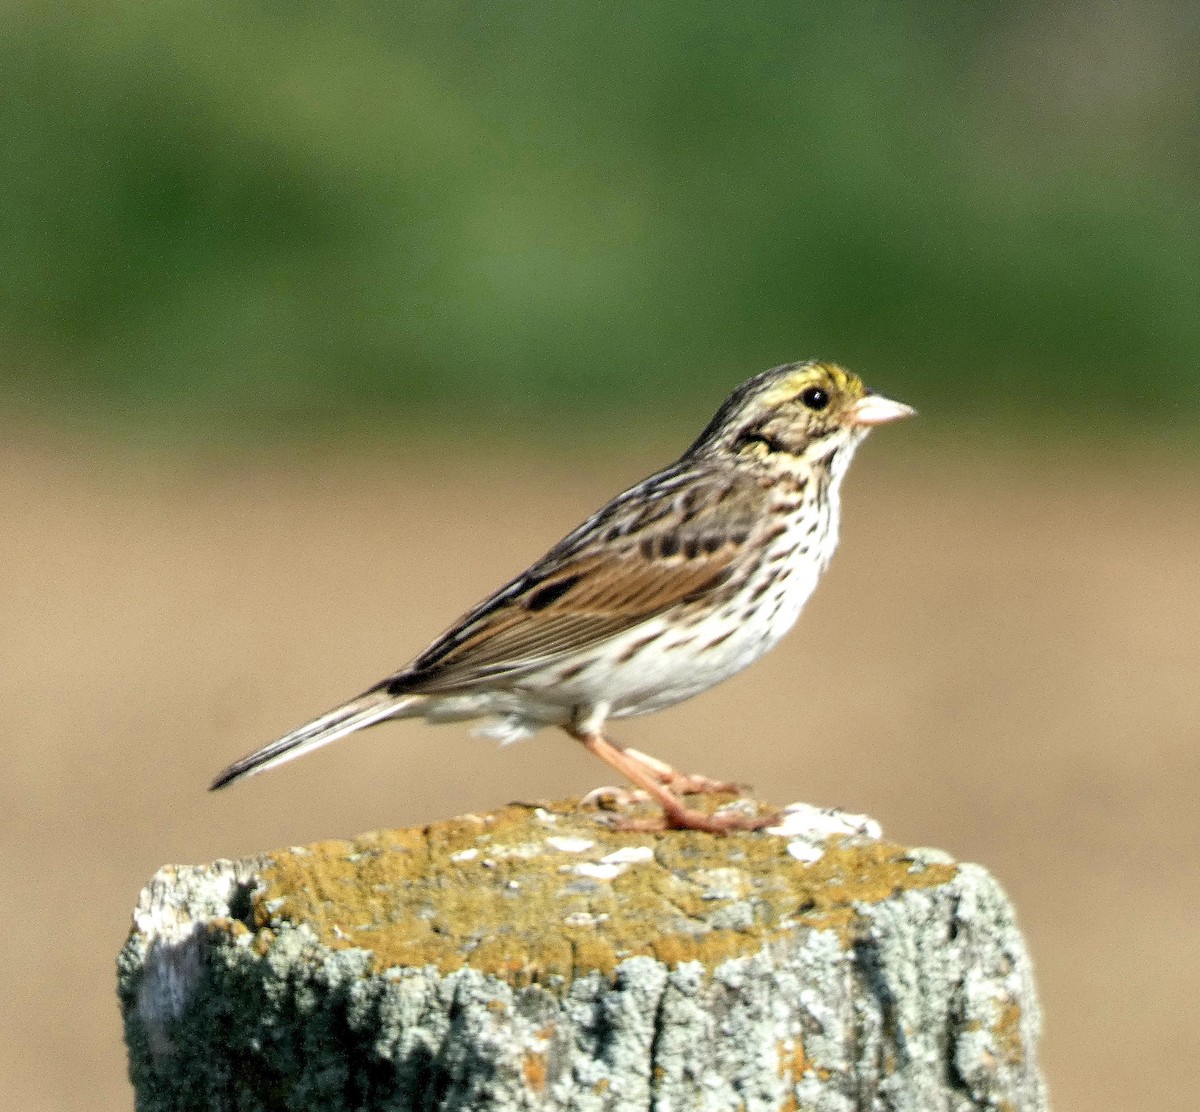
800	413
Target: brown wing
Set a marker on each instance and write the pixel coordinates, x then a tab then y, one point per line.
673	538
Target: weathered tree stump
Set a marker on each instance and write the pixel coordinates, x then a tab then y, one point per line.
536	959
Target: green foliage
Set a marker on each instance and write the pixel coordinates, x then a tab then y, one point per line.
257	212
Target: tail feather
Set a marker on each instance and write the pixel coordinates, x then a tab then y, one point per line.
372	706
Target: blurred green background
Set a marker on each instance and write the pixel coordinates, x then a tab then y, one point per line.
228	217
574	227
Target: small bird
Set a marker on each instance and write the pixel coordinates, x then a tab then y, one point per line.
672	587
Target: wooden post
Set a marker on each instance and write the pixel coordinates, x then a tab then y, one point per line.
534	958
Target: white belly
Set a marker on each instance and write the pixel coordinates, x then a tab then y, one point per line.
661	661
666	660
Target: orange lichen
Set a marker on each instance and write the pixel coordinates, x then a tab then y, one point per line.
533	1069
792	1059
491	892
1007	1032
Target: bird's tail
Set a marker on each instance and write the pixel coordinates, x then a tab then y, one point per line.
368	708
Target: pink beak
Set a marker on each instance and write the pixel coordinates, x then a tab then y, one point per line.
874	409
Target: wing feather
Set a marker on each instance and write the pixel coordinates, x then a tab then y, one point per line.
654	547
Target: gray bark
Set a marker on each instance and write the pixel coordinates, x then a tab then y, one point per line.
535	959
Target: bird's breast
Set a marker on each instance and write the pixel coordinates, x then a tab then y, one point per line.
699	643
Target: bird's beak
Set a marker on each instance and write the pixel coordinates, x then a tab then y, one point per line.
874	409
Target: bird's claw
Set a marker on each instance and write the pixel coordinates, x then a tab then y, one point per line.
684	783
611	798
686	818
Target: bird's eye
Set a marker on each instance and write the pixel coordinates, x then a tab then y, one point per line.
815	398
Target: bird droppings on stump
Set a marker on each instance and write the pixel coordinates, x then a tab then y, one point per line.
537	958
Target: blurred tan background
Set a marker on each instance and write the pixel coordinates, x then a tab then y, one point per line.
1001	663
318	322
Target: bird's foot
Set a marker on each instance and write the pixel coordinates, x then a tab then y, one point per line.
688	818
659	782
683	783
610	798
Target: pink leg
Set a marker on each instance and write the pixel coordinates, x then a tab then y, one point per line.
676	814
683	783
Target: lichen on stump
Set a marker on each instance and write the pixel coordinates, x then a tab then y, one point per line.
535	958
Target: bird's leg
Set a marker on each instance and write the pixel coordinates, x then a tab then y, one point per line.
684	783
677	815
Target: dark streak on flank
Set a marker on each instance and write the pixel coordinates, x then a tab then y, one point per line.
761	589
719	640
573	671
637	647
